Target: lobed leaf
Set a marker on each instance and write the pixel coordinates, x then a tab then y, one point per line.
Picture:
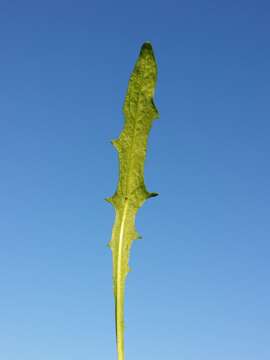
139	111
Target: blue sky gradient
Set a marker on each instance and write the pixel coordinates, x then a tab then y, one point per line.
199	285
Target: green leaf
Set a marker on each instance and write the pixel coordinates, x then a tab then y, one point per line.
139	111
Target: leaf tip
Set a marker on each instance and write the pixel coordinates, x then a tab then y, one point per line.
147	49
146	46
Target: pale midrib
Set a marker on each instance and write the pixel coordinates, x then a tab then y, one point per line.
119	293
120	244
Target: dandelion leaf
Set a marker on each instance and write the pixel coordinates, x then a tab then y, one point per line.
139	112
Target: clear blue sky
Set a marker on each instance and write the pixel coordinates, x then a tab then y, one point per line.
199	286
